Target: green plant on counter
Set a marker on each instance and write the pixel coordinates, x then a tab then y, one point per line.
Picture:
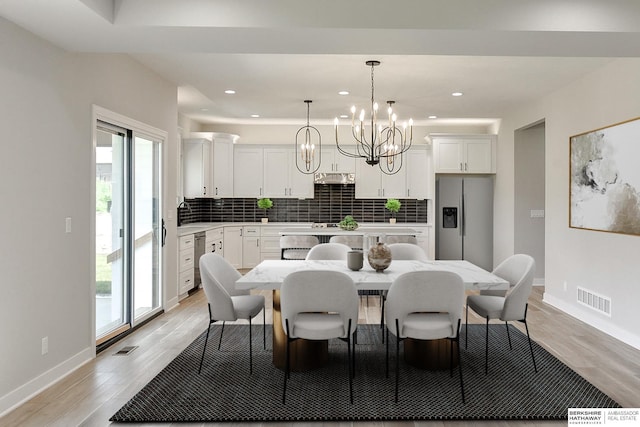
348	223
393	206
265	203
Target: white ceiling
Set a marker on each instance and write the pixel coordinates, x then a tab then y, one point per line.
277	53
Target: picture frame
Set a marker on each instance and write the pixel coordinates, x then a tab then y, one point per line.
604	176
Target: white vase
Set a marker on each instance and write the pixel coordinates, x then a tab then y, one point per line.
265	220
392	220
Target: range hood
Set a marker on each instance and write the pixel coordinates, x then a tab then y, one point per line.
334	178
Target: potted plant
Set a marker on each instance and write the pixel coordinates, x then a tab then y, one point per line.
265	203
393	206
348	223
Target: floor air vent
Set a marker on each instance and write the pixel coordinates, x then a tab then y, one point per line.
592	300
125	351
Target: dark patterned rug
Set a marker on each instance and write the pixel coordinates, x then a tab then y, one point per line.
225	391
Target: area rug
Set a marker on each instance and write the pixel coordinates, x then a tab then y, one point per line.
225	392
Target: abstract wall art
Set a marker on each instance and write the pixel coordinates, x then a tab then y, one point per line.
605	179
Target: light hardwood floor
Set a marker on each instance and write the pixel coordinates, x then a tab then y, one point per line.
94	392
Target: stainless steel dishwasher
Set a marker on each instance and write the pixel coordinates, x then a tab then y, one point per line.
199	250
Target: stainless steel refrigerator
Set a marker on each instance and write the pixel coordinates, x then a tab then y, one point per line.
464	219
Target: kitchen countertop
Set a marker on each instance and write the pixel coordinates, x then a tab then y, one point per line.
360	231
197	227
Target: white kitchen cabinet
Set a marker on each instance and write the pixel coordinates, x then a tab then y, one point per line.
233	245
196	167
222	166
281	176
332	161
269	242
464	153
248	167
186	263
419	174
372	183
214	241
250	246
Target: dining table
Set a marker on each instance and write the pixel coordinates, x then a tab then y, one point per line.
306	355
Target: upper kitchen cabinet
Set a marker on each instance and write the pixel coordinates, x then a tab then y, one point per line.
420	180
223	165
464	153
332	161
196	167
248	172
207	161
281	176
372	183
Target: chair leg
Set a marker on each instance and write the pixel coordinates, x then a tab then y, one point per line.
386	332
451	358
486	349
533	358
250	350
466	327
221	332
264	329
508	334
460	366
349	361
205	347
397	358
286	367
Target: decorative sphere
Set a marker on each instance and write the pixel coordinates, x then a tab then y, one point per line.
379	257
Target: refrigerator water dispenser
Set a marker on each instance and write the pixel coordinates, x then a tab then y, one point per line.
449	217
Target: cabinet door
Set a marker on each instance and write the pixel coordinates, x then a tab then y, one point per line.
250	251
196	168
479	156
222	168
395	186
247	172
327	159
368	181
300	184
449	155
276	172
419	174
344	163
233	246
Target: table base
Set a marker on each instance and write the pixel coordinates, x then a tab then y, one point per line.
305	354
433	355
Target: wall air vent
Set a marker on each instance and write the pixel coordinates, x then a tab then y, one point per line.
125	351
592	300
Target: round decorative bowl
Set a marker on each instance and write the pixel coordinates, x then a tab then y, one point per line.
379	257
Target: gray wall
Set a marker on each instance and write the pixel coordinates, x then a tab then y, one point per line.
529	194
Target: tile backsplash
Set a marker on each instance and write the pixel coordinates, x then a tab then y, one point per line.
330	204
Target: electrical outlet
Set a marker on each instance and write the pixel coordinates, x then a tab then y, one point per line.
67	224
45	345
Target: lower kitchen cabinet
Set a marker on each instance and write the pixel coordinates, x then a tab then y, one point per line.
186	263
233	245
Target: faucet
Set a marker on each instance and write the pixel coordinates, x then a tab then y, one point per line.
183	204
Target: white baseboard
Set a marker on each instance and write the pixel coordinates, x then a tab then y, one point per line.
593	320
171	304
17	397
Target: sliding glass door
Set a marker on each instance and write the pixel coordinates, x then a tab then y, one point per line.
128	229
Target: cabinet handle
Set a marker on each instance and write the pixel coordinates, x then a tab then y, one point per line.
466	168
216	191
187	259
258	243
408	192
461	166
205	191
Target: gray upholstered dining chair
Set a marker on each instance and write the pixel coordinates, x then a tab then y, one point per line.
225	302
329	251
319	305
518	270
425	305
296	247
390	239
354	242
407	251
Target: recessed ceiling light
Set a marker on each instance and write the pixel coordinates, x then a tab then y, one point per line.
343	92
344	116
433	117
204	109
456	94
255	115
230	91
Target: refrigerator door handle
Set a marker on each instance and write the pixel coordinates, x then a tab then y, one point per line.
462	216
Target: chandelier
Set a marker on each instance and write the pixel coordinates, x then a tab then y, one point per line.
378	144
308	161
